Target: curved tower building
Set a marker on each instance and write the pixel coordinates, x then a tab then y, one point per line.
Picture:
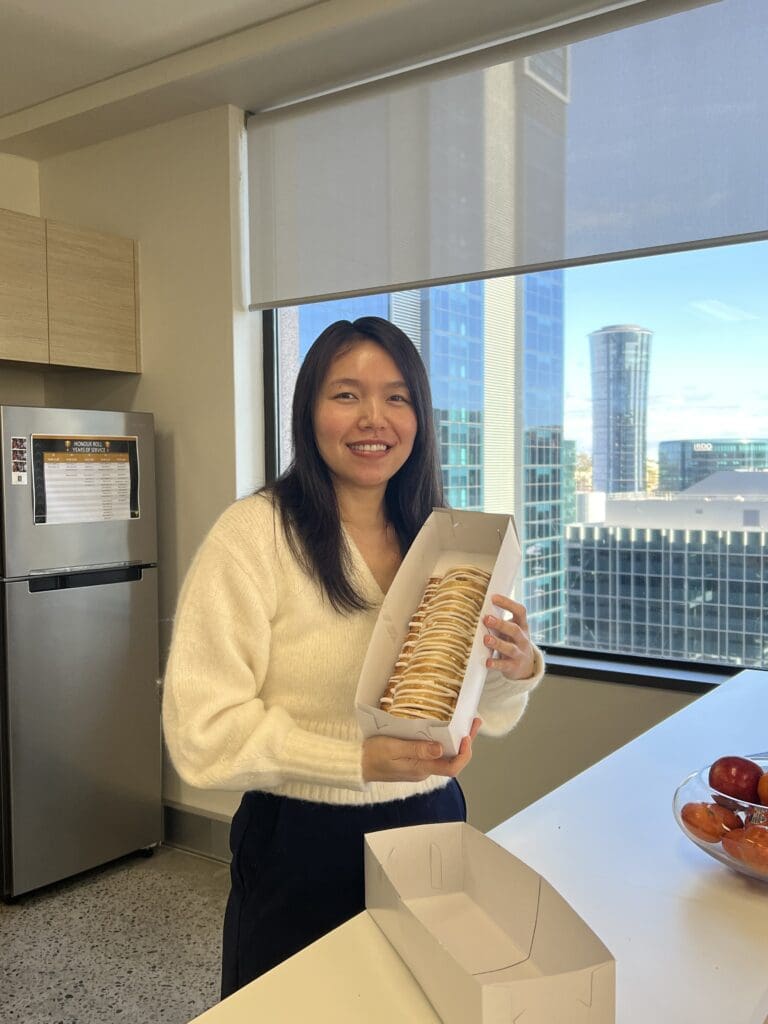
620	360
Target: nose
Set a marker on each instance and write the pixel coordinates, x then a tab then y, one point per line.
372	414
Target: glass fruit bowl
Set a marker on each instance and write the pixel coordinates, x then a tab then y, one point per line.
728	827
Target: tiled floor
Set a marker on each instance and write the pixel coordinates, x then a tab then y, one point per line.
136	942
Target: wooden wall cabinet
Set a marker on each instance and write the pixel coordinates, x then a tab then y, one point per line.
23	301
91	299
68	296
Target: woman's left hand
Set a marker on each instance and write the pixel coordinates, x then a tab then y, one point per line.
511	639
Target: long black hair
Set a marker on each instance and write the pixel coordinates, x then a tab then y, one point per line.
305	495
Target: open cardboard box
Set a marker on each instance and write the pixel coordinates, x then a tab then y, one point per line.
449	537
487	938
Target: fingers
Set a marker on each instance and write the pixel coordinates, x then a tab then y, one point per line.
507	630
519	613
510	640
465	749
452	766
521	667
507	648
422	750
387	759
515	662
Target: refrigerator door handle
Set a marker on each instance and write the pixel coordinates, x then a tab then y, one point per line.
71	580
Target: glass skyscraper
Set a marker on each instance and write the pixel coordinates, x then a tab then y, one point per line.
543	592
452	349
568	482
620	362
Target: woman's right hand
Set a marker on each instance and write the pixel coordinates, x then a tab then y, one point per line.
386	759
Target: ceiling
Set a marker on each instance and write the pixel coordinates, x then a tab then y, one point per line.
50	47
75	72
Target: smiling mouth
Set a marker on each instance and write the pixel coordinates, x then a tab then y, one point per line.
367	447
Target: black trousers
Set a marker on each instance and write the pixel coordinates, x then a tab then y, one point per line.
297	871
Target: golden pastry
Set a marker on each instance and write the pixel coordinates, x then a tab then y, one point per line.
433	659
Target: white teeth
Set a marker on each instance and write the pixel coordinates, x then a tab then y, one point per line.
369	447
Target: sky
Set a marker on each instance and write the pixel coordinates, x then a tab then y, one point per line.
708	310
666	142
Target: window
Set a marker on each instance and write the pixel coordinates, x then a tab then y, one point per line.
617	408
658	558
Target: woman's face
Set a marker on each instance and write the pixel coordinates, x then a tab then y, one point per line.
365	423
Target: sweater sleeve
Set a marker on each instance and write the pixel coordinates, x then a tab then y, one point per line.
219	733
503	700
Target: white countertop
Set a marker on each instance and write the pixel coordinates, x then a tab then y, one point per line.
690	937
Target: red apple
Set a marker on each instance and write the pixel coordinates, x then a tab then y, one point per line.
736	776
709	822
750	846
762	789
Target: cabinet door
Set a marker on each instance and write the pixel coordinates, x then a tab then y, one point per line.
23	303
91	299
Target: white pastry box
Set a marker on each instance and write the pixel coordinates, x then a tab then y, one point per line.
487	938
449	537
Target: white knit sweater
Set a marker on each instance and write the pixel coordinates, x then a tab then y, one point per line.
261	678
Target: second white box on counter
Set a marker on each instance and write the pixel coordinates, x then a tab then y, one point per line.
487	938
448	538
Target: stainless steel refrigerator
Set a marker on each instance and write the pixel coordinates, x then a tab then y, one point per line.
80	739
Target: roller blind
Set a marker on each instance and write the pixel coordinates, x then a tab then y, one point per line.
556	156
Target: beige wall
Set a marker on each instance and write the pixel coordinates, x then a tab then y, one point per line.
19	191
569	725
176	189
21	385
19	185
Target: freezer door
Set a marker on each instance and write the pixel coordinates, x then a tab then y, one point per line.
83	723
83	466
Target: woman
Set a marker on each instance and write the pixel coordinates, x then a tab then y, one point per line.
272	627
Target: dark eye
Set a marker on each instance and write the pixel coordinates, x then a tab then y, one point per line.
398	398
343	394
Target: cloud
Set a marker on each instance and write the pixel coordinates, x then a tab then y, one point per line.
722	311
